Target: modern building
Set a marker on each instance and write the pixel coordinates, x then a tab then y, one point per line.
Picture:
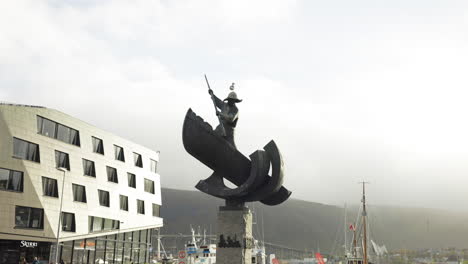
105	188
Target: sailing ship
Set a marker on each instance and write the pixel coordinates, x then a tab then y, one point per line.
359	253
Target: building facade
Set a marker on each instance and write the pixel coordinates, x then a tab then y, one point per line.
104	189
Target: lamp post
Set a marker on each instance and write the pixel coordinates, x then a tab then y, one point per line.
64	170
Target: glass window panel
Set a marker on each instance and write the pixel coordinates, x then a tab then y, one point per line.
20	148
118	253
143	236
79	193
62	160
112	174
110	251
103	198
127	253
142	253
16	181
140	207
131	180
49	187
135	253
108	224
97	223
67	248
63	133
47	128
33	152
22	216
138	160
88	168
98	145
80	252
154	166
74	137
149	186
124	202
100	248
136	236
119	153
156	210
4	178
36	218
91	248
68	222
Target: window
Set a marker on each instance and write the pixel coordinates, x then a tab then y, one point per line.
99	224
119	153
103	198
112	174
140	206
124	202
131	180
79	193
88	168
62	160
58	131
154	166
156	210
11	180
149	186
137	159
68	222
25	150
49	187
28	217
98	145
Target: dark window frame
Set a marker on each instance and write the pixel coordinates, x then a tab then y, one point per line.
130	176
151	187
57	160
55	193
123	206
75	195
158	210
153	163
112	174
72	227
137	160
140	207
72	140
36	158
8	183
30	220
119	155
102	202
86	170
97	148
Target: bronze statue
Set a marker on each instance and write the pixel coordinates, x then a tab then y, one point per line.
228	114
217	150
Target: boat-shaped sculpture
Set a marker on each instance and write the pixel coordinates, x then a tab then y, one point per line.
249	175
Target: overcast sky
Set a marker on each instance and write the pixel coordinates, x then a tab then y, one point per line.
349	90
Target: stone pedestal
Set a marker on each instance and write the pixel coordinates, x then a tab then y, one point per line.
234	235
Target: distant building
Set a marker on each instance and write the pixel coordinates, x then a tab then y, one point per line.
111	193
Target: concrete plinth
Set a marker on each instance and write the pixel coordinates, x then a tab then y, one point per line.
234	235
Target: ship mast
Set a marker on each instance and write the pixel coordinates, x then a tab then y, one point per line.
364	223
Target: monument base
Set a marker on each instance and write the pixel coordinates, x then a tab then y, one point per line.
235	239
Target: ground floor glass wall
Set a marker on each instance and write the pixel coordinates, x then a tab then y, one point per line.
123	248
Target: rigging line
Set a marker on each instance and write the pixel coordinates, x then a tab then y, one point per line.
336	244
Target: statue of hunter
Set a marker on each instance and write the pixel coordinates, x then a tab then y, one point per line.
228	114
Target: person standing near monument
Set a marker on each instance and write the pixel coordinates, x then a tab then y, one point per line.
228	114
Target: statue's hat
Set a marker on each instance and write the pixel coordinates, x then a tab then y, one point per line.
233	96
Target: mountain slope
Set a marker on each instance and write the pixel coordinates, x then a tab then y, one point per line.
307	225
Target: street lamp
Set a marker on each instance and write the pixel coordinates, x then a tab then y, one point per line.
64	170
